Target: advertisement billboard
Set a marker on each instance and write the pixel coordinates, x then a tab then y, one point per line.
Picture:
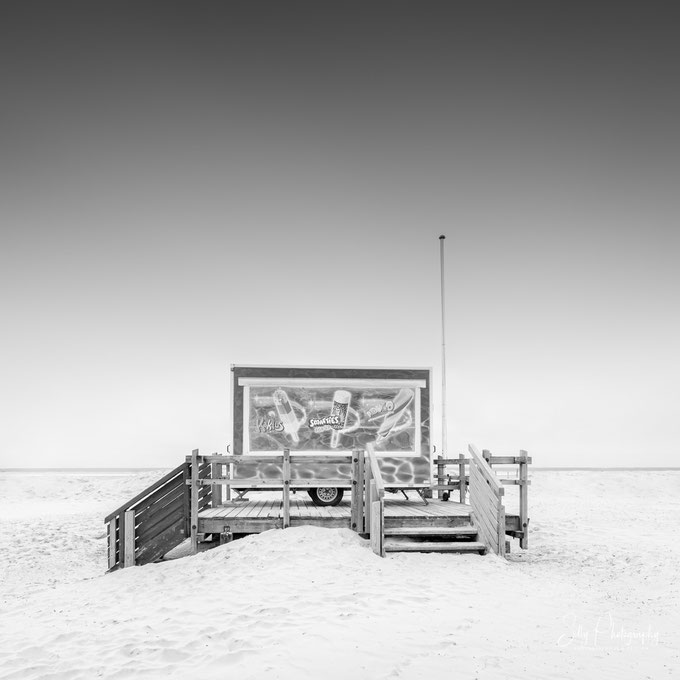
319	417
335	411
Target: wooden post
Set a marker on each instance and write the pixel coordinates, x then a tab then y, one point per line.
228	473
378	526
440	476
523	499
113	524
216	473
194	501
186	480
486	454
501	528
357	513
368	478
461	477
129	548
286	488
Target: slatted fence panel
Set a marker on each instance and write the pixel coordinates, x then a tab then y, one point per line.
486	500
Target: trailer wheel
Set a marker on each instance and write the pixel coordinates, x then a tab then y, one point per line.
326	495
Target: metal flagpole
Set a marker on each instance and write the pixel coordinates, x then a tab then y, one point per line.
441	265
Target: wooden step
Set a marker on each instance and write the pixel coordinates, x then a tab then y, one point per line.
435	546
432	531
450	521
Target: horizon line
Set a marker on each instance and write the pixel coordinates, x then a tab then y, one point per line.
531	467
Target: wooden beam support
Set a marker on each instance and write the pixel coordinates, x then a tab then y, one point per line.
286	488
441	476
216	473
523	499
194	501
378	527
112	525
129	547
368	478
357	503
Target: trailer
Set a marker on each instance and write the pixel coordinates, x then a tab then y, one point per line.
323	431
321	412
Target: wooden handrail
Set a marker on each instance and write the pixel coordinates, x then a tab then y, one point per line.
487	481
254	482
275	482
154	521
142	495
375	503
285	482
488	512
247	459
488	474
375	471
494	460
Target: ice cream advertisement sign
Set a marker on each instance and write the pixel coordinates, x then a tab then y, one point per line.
313	416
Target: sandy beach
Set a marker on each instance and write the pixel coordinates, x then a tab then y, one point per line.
596	595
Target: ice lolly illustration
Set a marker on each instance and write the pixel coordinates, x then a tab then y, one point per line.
286	414
401	401
340	408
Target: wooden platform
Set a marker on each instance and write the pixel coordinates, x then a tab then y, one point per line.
262	512
187	502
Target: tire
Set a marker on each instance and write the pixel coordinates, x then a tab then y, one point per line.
326	495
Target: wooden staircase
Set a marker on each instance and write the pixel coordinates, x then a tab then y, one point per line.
156	520
456	539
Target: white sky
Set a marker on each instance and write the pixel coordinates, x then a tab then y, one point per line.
189	201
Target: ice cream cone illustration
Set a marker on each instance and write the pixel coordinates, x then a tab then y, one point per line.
284	409
392	420
339	408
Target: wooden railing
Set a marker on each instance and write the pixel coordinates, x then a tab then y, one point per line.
367	487
166	513
374	494
154	521
461	464
486	502
224	475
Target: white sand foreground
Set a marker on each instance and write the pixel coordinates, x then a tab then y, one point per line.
596	596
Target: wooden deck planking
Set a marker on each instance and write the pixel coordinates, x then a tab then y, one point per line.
302	508
340	510
404	508
263	510
227	510
400	508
